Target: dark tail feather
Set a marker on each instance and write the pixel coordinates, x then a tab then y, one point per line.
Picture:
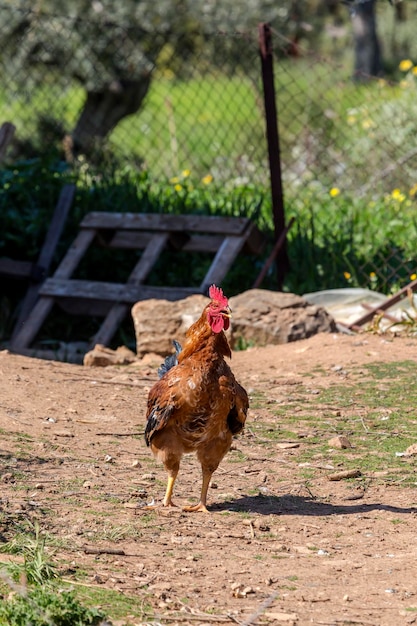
170	361
157	419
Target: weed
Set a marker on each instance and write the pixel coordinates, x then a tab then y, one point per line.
36	567
41	607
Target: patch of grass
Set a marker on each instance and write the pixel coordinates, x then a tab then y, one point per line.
119	533
372	410
41	607
41	598
36	567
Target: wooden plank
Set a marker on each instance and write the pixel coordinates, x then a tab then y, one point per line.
15	269
254	240
163	222
148	258
223	260
113	292
118	311
137	240
56	226
30	329
74	254
130	239
46	254
25	335
383	306
7	131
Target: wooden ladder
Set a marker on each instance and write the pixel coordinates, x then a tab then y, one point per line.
225	237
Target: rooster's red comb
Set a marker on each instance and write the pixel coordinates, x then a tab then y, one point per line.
217	295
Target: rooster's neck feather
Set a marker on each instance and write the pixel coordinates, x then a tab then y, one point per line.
200	336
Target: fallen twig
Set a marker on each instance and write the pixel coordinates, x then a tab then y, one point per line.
355	473
204	617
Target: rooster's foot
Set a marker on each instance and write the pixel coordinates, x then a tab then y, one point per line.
152	506
200	507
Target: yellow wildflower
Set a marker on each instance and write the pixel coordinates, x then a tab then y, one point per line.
368	123
186	173
413	276
413	190
405	65
372	275
414	70
178	187
206	180
174	180
347	275
334	191
397	195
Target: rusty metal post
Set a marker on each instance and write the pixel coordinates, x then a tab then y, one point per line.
271	119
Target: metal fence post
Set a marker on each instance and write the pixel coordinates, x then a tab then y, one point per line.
271	119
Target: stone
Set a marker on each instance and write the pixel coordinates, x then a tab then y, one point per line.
262	317
100	356
411	450
340	441
158	322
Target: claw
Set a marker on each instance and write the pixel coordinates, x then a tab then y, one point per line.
200	507
152	506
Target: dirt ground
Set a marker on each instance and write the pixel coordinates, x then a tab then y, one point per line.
274	550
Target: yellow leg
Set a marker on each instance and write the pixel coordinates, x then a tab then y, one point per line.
201	506
168	494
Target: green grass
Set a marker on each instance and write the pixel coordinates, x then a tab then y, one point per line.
174	130
372	409
117	605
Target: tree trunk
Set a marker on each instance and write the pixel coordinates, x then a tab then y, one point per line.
367	49
104	109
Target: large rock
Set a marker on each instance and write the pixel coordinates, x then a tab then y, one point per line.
260	317
158	322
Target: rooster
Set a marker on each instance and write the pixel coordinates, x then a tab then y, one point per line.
197	405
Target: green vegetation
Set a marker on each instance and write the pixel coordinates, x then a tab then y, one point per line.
371	409
36	567
33	592
38	601
43	607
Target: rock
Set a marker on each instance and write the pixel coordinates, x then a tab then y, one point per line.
260	317
282	617
158	322
100	356
411	450
340	442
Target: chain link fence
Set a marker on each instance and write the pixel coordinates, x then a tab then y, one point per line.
202	112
